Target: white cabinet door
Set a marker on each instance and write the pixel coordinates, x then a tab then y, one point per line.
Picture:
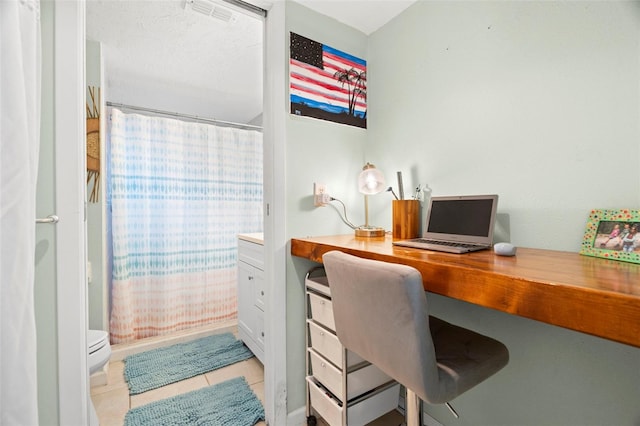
246	298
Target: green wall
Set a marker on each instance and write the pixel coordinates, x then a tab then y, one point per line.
530	100
95	233
323	152
536	101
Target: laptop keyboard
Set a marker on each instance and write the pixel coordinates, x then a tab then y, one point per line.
445	243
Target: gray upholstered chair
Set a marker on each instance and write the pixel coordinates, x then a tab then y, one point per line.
380	311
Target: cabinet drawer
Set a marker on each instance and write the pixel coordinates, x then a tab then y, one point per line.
251	253
319	284
359	412
327	344
359	380
321	310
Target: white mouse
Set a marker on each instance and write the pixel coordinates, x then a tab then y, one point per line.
505	249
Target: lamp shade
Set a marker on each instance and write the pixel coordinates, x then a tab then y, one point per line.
371	180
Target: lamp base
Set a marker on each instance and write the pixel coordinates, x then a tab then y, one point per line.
369	231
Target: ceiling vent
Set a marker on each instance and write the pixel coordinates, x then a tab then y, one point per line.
212	9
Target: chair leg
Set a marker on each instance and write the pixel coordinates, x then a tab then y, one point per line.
413	409
413	412
454	412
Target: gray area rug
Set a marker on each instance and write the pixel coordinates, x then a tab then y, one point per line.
230	403
162	366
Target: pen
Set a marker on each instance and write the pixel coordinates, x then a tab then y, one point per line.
400	187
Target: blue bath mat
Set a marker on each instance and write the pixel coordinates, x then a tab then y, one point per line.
162	366
230	403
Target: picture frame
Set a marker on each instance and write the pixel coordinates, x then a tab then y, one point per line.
326	83
613	234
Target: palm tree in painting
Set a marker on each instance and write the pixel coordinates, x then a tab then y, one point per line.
356	85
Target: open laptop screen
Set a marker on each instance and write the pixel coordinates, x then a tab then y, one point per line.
464	218
461	217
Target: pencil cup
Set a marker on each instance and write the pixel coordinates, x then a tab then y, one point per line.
406	219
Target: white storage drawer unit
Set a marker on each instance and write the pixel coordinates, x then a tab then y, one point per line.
251	292
342	388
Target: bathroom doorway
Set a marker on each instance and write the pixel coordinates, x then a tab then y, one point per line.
187	62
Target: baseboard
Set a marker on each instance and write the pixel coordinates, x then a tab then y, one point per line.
297	417
121	351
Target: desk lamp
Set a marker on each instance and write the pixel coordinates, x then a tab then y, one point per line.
370	181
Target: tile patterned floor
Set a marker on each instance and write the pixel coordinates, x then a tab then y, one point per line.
112	400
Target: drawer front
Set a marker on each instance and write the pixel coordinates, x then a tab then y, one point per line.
359	381
358	414
251	253
364	379
327	374
367	410
319	284
327	344
325	405
321	310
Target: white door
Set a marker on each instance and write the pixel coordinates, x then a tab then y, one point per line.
60	289
45	268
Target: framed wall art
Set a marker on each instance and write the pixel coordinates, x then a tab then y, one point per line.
326	83
613	234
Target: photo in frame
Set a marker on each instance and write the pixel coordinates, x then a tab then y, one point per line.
613	234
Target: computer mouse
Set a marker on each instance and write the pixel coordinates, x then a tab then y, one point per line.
504	249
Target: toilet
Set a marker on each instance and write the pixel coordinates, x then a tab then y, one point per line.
99	354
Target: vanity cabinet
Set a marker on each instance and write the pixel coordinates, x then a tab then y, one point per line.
342	388
251	291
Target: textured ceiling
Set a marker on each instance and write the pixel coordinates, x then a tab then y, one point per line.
159	55
157	51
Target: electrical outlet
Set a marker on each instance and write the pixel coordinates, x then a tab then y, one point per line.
320	194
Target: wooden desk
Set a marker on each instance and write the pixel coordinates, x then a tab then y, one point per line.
595	296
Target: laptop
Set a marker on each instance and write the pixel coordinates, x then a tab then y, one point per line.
457	224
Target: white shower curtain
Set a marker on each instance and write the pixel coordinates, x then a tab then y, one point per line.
19	142
180	193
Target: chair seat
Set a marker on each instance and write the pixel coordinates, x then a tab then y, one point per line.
464	357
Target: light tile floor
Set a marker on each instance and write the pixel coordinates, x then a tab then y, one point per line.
112	401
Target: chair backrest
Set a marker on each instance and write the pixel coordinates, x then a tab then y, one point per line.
380	312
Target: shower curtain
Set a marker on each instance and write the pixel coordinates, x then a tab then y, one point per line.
180	192
19	143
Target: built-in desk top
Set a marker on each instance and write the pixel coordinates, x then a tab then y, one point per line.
592	295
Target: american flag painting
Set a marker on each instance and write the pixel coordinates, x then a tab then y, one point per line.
327	84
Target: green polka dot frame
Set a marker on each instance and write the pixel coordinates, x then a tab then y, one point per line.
613	234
